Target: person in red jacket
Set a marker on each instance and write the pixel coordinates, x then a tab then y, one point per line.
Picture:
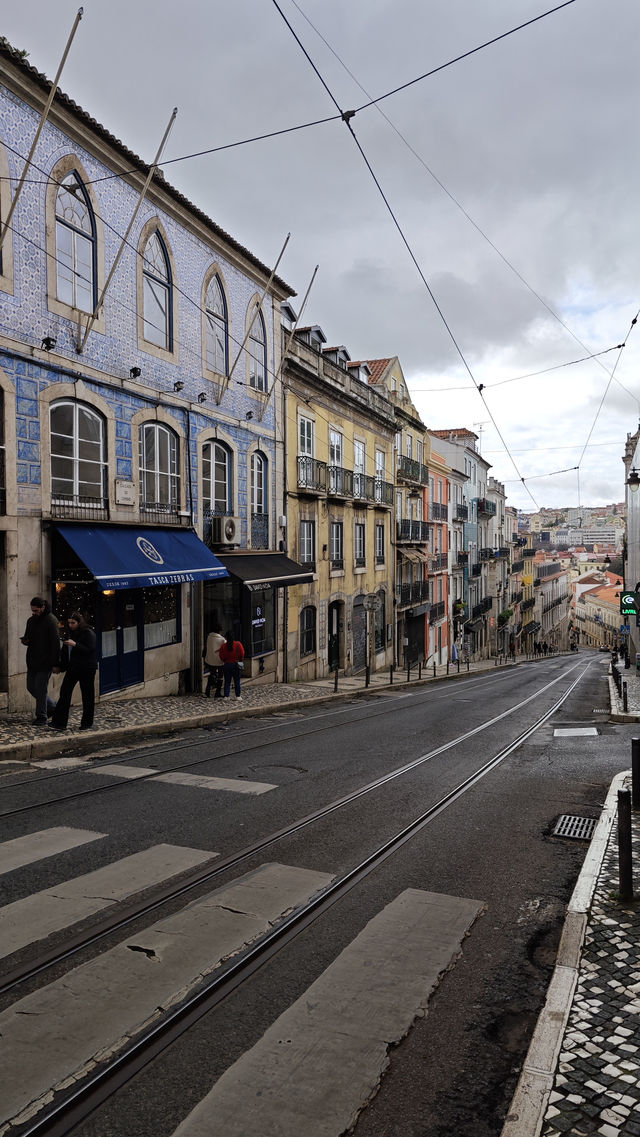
232	655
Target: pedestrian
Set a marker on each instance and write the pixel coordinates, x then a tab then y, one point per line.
81	667
232	655
42	640
545	647
211	656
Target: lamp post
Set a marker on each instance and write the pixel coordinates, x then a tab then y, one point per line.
633	484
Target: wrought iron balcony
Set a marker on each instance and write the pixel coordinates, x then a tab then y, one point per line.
337	563
530	602
384	492
340	482
438	512
312	475
463	559
486	554
411	471
486	508
364	487
412	592
517	566
476	569
516	597
436	611
528	552
409	530
163	514
78	508
439	562
461	513
503	551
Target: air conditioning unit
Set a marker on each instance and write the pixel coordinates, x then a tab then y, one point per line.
225	530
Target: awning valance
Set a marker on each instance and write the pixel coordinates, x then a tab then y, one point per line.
123	557
265	570
413	555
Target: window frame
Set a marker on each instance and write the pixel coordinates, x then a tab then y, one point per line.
211	319
160	429
211	500
336	545
307	541
359	544
78	234
75	458
379	542
150	277
256	353
308	630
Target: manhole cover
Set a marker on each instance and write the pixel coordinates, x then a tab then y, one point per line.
580	828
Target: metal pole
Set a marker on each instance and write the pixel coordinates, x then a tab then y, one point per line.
434	669
335	680
458	665
367	675
408	670
625	864
391	674
419	669
43	119
635	772
468	666
625	705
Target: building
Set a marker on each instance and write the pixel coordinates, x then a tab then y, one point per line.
137	392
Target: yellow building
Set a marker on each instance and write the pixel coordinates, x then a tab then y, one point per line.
339	435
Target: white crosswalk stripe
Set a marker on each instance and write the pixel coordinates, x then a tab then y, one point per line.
54	1035
35	917
46	843
176	778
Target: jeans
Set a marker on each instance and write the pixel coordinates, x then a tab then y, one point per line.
86	680
231	671
37	684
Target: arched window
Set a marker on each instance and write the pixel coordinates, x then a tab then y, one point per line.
216	478
78	455
217	328
307	631
75	245
159	478
259	502
258	353
157	294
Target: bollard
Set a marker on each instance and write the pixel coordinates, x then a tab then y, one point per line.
408	670
635	772
335	680
367	675
468	665
625	865
625	704
447	667
434	669
391	675
458	665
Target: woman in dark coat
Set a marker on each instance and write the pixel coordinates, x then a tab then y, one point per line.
82	666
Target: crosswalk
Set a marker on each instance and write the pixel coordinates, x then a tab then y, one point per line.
313	1069
177	778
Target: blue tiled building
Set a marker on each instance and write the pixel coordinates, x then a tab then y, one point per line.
140	421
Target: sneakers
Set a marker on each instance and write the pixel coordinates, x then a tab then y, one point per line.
238	698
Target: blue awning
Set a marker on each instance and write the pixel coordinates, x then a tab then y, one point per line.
120	557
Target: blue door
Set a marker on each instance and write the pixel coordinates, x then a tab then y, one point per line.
121	639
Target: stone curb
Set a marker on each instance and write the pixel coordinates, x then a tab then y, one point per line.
529	1103
617	714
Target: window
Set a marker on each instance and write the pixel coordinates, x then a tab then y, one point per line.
379	543
258	354
157	294
398	443
307	631
399	505
359	457
307	542
359	544
336	545
216	478
217	328
409	446
161	615
439	497
75	245
258	483
335	448
305	436
380	464
419	451
78	454
159	479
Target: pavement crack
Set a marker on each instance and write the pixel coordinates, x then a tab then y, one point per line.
149	952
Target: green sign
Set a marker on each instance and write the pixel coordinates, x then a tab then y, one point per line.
629	603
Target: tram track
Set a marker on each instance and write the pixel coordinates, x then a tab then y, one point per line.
130	914
63	1117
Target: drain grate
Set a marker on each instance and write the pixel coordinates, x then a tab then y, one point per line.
580	828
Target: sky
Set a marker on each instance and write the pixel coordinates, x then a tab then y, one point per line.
482	224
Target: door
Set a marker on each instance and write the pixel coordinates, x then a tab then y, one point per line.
121	639
334	636
359	624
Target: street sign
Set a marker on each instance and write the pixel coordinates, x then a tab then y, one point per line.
626	628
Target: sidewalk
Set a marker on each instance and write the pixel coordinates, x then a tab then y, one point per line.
121	721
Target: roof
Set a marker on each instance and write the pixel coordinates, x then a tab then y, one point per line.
378	368
458	432
9	54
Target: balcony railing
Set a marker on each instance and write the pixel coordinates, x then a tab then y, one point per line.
516	597
259	530
476	569
439	562
486	508
337	563
360	562
340	482
461	513
162	514
486	554
312	475
528	552
530	602
412	592
384	492
412	471
409	530
437	511
517	566
79	508
436	611
463	559
503	551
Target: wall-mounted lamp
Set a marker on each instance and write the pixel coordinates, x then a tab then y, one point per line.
633	481
249	415
135	372
178	385
202	397
48	343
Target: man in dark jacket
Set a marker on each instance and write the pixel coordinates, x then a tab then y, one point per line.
42	641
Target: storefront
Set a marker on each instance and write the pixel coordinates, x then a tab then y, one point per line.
130	585
246	604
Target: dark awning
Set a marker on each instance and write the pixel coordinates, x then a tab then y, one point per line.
123	557
262	570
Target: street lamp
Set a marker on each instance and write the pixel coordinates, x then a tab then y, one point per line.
633	481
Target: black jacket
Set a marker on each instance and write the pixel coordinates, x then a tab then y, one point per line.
83	656
42	638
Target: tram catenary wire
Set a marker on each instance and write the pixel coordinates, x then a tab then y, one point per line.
66	1116
194	762
131	913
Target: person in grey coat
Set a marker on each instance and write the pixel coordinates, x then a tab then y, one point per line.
42	640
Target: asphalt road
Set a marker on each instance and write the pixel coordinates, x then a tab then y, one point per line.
457	1067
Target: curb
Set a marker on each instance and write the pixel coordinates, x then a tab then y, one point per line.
529	1102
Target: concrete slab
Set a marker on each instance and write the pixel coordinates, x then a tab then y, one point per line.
575	732
45	843
199	781
318	1065
35	917
58	1034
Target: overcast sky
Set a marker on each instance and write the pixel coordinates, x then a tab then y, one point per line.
514	175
